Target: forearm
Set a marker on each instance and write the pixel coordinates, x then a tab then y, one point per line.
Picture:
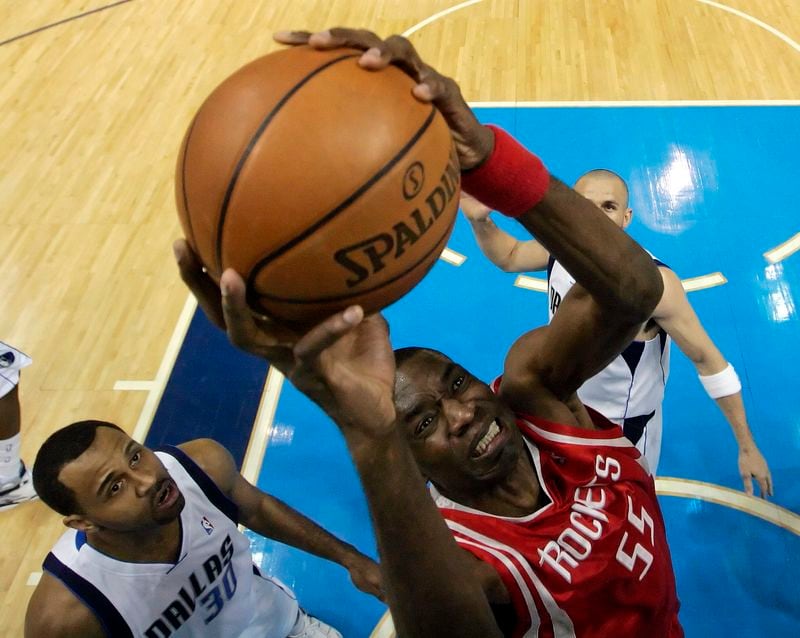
616	271
278	521
430	589
497	245
732	407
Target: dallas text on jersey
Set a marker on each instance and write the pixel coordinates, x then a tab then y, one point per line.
207	590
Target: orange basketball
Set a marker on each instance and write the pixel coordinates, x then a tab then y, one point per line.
323	184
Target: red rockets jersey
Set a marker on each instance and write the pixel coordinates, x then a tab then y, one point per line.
594	561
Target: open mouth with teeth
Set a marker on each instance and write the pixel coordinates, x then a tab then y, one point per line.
485	441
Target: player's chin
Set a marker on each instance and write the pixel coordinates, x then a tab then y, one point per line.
165	515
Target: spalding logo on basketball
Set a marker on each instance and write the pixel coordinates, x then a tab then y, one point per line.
323	184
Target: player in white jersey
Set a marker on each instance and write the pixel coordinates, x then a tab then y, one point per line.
631	389
154	549
15	479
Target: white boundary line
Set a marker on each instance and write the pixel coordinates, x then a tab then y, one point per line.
133	386
160	382
256	447
755	21
436	16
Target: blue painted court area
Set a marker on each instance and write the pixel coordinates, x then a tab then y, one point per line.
712	188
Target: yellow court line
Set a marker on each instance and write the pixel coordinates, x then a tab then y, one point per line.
531	283
452	257
690	284
735	499
784	250
385	627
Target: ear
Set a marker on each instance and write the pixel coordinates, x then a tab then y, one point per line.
626	219
76	521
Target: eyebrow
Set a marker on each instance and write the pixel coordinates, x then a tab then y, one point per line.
110	476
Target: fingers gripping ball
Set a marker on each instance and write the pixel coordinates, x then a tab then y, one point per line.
322	184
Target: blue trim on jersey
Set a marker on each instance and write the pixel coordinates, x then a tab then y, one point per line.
633	355
550	263
112	621
80	539
209	487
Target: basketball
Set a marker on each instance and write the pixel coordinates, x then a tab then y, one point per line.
324	185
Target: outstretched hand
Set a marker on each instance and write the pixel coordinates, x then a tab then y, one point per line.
345	364
474	142
753	465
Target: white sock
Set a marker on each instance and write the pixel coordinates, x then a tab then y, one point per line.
9	459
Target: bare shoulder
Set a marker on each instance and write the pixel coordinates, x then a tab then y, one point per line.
214	460
55	612
673	300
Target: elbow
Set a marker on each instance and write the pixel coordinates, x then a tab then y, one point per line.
642	293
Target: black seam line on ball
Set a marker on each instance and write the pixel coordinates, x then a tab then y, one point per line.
436	247
254	139
264	261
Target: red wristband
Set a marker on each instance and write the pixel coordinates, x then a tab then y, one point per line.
512	180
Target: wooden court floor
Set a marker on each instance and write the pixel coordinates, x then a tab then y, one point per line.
93	108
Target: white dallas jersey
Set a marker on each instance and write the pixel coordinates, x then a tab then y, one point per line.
630	390
214	589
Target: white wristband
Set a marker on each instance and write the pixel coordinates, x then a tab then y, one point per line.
721	384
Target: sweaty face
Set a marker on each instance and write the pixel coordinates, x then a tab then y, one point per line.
464	438
121	485
609	194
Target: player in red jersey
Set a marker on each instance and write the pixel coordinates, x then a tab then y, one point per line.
558	517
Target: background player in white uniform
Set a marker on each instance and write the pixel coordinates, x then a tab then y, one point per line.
15	479
632	387
584	516
154	549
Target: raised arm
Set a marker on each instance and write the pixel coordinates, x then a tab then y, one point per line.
618	286
675	314
273	519
504	251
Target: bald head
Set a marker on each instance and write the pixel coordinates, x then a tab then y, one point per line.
609	192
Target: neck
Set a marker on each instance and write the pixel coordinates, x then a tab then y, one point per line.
517	494
159	544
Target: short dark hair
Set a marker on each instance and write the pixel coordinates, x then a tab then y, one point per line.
62	447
